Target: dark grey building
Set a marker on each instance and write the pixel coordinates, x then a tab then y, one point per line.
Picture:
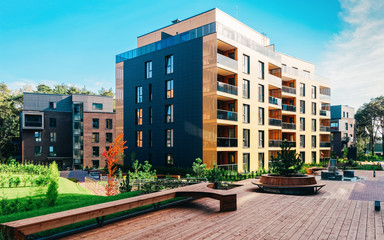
343	128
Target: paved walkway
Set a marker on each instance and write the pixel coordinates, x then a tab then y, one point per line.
341	210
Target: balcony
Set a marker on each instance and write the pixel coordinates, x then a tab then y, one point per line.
290	108
276	81
325	144
228	167
274	143
226	142
226	115
325	113
325	98
325	128
275	122
33	120
227	62
289	90
226	88
289	125
275	101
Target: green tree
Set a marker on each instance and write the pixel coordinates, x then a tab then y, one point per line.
105	92
287	161
42	88
198	167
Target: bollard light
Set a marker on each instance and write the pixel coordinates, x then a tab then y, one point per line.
377	205
374	173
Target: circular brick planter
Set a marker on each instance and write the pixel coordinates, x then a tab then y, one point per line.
295	180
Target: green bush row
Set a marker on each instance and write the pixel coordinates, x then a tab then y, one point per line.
8	180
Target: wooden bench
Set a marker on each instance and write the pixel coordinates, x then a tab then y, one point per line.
291	189
21	228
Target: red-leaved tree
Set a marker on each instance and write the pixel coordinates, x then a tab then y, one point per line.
116	149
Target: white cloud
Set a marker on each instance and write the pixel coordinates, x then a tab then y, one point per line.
354	60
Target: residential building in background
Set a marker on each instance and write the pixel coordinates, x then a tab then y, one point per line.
343	128
212	87
69	129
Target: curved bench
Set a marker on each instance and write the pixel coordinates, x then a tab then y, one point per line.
290	189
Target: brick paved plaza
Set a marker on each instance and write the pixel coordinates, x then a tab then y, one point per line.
341	210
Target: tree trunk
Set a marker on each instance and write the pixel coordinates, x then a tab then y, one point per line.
372	145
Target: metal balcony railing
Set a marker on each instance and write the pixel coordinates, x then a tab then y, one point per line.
325	144
289	125
226	142
227	88
226	61
275	101
290	108
274	143
325	113
288	90
325	128
274	122
226	115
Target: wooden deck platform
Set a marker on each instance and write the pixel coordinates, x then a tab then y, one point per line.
341	210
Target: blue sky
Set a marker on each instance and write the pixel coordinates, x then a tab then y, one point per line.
75	42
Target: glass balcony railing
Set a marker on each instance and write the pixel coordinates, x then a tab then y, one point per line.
275	101
325	128
275	80
288	89
227	88
226	142
290	108
275	122
171	41
325	144
325	113
228	167
274	143
289	125
303	74
226	115
227	62
324	97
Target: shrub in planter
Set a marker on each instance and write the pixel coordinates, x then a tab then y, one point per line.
287	162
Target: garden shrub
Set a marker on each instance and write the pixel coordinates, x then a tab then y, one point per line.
53	187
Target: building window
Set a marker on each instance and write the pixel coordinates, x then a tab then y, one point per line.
52	137
150	115
245	64
246	162
246	135
95	151
313	157
150	92
302	141
150	138
37	136
302	89
302	124
95	163
148	69
343	114
38	151
347	115
169	138
245	89
302	156
313	108
261	161
261	93
302	106
139	116
346	126
169	113
52	122
169	64
261	70
52	105
95	123
261	139
97	106
95	137
52	151
108	124
169	89
313	125
314	92
261	116
139	94
108	137
169	159
245	113
139	138
313	141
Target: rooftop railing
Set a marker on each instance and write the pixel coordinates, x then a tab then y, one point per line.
307	75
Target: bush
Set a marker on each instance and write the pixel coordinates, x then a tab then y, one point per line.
287	161
53	188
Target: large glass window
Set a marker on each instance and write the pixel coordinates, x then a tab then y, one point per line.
246	136
169	138
108	137
302	89
246	64
302	124
108	123
52	151
302	141
261	116
150	92
52	105
302	156
148	69
169	113
245	113
302	106
139	116
313	157
169	64
95	123
261	70
313	141
37	136
246	89
95	163
314	92
139	94
139	138
261	161
261	139
52	137
95	137
313	125
246	162
52	122
261	93
346	126
97	106
169	159
169	89
95	151
313	108
38	151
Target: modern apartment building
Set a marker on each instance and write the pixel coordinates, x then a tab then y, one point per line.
211	87
69	129
343	128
